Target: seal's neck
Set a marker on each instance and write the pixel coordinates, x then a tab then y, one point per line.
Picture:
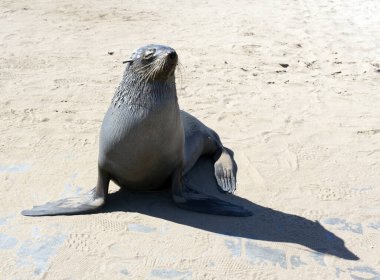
145	93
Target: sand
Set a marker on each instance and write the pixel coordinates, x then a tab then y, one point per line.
306	138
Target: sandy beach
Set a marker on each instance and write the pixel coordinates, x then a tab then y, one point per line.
292	87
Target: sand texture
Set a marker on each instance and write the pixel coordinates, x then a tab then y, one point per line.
306	137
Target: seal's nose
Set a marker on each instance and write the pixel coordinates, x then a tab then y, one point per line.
173	55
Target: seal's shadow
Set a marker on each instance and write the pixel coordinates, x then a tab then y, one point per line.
266	223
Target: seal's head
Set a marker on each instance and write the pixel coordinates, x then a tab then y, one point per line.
153	63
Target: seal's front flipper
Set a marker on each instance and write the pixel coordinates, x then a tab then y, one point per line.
192	200
89	202
225	171
86	203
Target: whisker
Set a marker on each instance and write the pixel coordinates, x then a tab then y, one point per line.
181	73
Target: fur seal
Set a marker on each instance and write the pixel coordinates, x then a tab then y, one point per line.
146	142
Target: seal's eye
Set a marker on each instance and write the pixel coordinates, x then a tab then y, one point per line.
149	53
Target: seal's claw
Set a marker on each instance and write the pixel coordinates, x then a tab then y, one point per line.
227	183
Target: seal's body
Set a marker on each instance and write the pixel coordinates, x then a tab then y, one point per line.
132	134
146	142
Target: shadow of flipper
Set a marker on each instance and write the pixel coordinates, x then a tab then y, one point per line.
265	224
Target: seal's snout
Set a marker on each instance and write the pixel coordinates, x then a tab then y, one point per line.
173	55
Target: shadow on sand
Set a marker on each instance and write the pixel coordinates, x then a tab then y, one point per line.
266	224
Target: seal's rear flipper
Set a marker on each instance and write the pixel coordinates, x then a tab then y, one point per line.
210	205
86	203
190	199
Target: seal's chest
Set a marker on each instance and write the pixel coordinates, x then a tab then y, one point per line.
140	132
142	146
159	124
